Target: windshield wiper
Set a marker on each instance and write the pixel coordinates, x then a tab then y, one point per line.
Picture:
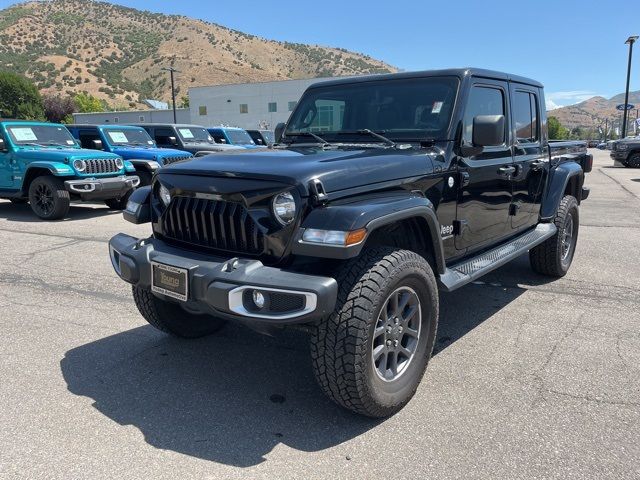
312	135
388	141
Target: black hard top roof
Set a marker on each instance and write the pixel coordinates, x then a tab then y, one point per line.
451	72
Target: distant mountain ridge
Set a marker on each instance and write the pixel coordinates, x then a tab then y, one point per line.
592	112
116	53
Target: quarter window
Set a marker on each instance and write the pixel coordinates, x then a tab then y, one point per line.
482	101
525	112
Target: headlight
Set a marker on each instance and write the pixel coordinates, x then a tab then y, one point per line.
119	163
622	146
284	208
79	165
164	195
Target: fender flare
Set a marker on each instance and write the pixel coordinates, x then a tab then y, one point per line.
146	165
372	214
559	178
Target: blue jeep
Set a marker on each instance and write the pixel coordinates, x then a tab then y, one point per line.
232	136
43	164
131	143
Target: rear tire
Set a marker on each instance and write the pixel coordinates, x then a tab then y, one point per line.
48	198
170	318
553	257
371	353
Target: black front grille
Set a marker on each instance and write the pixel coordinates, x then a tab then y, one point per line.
170	160
213	224
101	165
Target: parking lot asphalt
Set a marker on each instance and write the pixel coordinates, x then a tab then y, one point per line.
531	378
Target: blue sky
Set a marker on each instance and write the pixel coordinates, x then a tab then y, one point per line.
576	48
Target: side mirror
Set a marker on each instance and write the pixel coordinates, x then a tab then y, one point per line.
173	140
279	132
97	144
488	130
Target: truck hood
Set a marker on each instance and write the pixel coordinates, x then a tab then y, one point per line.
337	169
59	154
142	153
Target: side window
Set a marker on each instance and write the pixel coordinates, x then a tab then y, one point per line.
218	136
162	136
525	113
482	101
87	138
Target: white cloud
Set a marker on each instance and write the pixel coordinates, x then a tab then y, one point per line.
562	99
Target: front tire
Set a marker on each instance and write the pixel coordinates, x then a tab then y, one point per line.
170	318
554	257
633	161
118	203
371	353
48	198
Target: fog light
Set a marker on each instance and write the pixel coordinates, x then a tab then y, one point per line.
258	299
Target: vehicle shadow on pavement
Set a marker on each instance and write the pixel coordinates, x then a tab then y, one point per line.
23	213
233	397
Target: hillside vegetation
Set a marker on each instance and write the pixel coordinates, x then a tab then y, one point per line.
116	53
591	113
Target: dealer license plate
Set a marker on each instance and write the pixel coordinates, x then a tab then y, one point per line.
170	281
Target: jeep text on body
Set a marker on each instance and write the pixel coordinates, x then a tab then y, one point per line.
382	190
41	163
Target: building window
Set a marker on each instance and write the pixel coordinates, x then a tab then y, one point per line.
202	110
244	108
273	107
142	118
116	119
292	106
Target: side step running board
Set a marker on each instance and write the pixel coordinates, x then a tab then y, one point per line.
467	271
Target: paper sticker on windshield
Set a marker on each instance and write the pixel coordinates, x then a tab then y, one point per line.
150	142
185	132
70	142
24	134
118	137
437	106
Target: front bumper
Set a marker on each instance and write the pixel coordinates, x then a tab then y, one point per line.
217	285
102	188
620	156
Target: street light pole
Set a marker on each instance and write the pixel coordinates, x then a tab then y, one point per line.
630	41
172	70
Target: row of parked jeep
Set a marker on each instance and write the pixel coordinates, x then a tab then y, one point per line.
49	165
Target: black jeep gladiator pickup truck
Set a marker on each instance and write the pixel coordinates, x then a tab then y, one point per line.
380	191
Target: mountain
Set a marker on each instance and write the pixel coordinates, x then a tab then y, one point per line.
592	112
116	53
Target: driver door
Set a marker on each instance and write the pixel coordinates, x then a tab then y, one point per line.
6	168
485	193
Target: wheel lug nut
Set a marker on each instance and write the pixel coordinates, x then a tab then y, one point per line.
395	343
400	329
388	343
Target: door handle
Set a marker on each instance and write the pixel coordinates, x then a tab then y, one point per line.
537	165
507	171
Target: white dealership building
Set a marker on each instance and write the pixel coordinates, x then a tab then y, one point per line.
247	105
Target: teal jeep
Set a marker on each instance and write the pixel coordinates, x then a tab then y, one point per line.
41	163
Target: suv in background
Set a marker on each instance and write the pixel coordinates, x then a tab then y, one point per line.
263	138
131	143
627	152
232	136
189	138
43	164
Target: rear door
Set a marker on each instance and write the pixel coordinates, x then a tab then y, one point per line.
485	194
6	167
531	159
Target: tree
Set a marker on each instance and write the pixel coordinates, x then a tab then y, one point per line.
59	109
556	130
19	98
184	102
88	103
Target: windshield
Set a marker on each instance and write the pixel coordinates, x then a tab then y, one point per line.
240	137
403	109
136	137
194	135
43	135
